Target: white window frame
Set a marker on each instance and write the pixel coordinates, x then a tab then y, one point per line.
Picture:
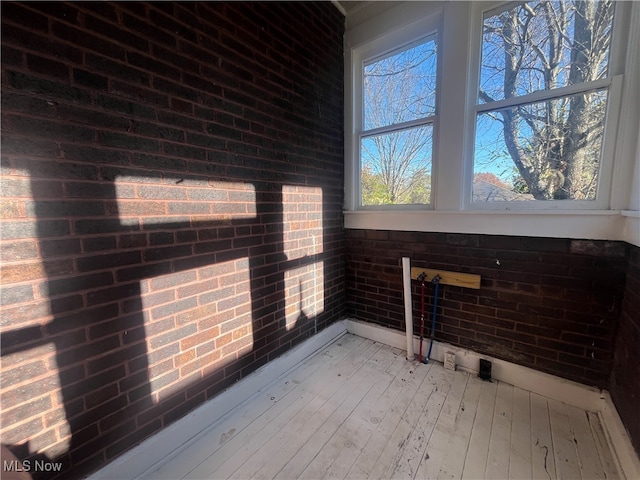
459	26
613	84
395	40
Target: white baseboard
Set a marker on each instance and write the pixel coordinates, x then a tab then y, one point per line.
582	396
159	446
618	438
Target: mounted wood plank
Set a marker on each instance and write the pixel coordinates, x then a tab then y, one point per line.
458	279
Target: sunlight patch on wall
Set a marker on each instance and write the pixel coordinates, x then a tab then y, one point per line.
302	221
303	240
304	293
199	320
154	200
48	432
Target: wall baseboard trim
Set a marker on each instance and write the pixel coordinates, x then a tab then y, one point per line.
179	435
624	454
582	396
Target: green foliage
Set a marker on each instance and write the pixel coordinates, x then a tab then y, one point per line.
376	192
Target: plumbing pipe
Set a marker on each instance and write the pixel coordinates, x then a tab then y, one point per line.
436	281
408	315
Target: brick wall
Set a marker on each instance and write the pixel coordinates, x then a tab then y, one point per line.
625	374
171	210
547	303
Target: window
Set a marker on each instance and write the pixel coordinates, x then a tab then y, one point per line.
544	85
396	143
491	116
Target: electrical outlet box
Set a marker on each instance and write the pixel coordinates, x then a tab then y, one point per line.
450	360
485	369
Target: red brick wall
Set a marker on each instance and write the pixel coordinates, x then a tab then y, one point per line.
546	303
625	374
171	211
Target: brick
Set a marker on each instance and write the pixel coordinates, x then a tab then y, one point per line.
113	31
145	271
33	84
49	129
148	30
82	352
25	272
168	24
87	40
126	107
173	308
119	292
44	209
67	246
106	261
48	67
102	226
16	12
10	252
149	64
118	140
79	282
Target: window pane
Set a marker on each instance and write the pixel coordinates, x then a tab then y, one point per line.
396	167
544	45
541	151
400	87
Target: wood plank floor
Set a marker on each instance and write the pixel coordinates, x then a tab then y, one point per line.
358	409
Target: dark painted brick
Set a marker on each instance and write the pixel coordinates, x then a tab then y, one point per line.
129	142
48	67
124	106
87	40
49	129
47	87
115	32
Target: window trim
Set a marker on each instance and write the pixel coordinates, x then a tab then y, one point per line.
356	57
452	165
613	84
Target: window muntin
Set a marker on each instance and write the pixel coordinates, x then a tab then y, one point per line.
542	100
396	140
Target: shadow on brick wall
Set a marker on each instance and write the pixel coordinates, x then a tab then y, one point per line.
103	312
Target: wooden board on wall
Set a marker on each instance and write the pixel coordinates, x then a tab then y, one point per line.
466	280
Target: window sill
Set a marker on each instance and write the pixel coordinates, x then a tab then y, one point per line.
592	224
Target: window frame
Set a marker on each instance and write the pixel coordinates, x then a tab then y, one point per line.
613	84
429	120
359	55
451	208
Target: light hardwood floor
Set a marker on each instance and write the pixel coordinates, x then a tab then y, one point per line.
358	409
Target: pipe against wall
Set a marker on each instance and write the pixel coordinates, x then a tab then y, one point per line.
408	314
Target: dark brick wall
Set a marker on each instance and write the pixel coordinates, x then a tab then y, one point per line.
172	186
625	375
547	303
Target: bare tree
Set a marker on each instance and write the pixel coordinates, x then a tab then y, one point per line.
554	144
396	159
